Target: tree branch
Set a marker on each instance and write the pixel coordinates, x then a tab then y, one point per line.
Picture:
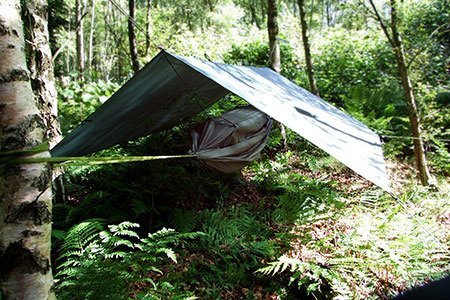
382	24
68	39
424	46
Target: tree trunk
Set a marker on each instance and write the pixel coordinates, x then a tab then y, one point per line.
40	65
132	35
25	198
254	17
305	39
274	48
328	13
419	152
80	40
210	5
272	28
91	38
149	27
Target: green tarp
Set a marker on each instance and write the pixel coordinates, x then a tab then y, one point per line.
172	88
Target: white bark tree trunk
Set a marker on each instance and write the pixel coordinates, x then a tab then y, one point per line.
40	65
25	197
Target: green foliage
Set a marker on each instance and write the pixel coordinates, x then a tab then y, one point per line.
302	200
235	242
362	246
347	61
105	263
311	276
373	249
257	54
77	101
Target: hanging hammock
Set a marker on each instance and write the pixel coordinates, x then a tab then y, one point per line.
225	144
231	141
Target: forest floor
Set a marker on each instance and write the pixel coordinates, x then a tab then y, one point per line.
367	246
290	226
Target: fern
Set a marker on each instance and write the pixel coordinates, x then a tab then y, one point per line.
307	274
98	263
182	220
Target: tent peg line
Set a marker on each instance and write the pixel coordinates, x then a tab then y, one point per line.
90	160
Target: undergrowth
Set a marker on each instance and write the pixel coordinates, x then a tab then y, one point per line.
289	232
100	263
374	249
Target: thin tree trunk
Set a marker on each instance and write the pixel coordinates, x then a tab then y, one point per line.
80	39
210	5
305	39
312	13
272	28
132	35
41	67
91	38
149	27
104	57
419	152
394	39
328	13
254	17
274	48
66	56
25	197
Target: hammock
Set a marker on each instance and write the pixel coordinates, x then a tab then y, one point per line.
231	141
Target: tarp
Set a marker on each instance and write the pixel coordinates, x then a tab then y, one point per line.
230	142
171	88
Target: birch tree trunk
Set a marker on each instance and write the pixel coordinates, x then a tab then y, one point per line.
306	47
272	28
40	65
132	35
80	39
25	198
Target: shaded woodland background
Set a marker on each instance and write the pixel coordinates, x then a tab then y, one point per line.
296	224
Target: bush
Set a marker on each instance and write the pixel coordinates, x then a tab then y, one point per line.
77	101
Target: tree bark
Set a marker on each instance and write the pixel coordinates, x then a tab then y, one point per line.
25	198
414	119
306	47
132	35
272	28
80	39
274	50
40	65
91	38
